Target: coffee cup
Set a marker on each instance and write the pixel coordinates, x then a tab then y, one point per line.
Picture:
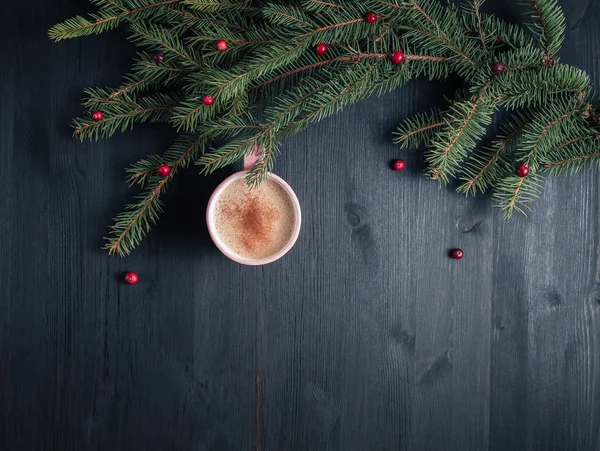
253	226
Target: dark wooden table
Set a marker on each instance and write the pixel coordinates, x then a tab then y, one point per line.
365	337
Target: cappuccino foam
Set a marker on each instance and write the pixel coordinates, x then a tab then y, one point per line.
255	223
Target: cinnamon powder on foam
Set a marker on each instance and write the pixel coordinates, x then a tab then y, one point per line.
254	220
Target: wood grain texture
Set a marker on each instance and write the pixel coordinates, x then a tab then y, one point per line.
365	337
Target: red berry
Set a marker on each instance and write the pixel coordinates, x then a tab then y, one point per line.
321	49
208	100
222	45
97	116
397	57
158	57
457	254
371	17
398	165
499	68
164	170
131	278
522	170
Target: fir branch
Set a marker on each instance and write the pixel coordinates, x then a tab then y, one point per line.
270	71
135	222
151	35
529	87
215	5
198	19
514	194
572	155
478	17
441	40
486	167
542	134
317	4
550	27
103	20
121	113
306	67
420	128
284	16
465	123
573	160
414	5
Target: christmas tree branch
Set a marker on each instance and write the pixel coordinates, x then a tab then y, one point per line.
418	129
214	5
132	225
488	166
330	4
443	41
270	81
536	140
550	27
121	113
153	35
570	161
306	67
206	20
104	20
464	123
515	193
480	28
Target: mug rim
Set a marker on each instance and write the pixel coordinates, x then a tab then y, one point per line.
210	209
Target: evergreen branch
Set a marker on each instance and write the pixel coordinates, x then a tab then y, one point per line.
545	130
80	26
121	113
550	27
497	31
86	128
420	128
471	184
271	83
536	140
324	3
423	14
227	154
443	41
128	88
569	161
486	167
260	171
430	58
214	5
572	154
300	69
133	225
318	113
533	87
194	18
464	125
287	16
515	193
439	171
166	39
424	129
569	142
103	21
478	17
545	33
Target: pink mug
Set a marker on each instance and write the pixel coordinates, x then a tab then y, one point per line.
249	162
